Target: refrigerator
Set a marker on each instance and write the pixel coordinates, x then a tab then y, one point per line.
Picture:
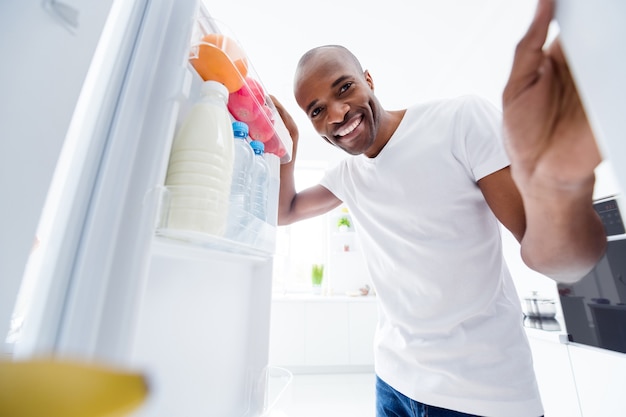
89	273
92	94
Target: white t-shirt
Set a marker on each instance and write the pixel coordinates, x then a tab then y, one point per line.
450	331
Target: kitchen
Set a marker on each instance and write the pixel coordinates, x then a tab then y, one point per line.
552	353
442	80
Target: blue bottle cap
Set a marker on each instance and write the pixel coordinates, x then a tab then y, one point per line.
258	146
240	129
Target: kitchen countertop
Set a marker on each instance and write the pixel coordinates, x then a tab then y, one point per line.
557	336
308	297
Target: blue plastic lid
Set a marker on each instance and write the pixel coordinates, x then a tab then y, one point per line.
240	129
258	146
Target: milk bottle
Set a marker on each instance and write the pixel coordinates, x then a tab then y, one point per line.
200	168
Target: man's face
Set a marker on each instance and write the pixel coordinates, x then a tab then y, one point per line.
339	101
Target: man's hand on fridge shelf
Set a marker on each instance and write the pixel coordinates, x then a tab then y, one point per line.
553	155
288	121
547	133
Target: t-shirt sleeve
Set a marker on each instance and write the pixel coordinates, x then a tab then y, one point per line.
332	179
484	151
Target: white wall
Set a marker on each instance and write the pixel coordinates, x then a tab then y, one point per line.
415	50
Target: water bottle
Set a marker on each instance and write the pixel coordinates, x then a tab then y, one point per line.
260	181
199	173
273	162
240	205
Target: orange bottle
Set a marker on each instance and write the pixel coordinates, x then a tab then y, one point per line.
219	58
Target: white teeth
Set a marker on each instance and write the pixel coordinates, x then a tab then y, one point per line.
349	128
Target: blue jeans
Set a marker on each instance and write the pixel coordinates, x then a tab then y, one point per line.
390	403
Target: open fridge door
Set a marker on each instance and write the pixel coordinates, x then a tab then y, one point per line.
203	331
101	211
115	286
591	34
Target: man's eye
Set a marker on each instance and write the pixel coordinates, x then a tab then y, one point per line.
345	87
315	112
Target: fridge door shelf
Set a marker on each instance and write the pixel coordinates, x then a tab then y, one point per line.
214	46
243	233
203	240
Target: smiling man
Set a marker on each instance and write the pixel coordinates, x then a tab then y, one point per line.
320	86
428	188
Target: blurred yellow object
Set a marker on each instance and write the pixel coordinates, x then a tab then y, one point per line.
61	388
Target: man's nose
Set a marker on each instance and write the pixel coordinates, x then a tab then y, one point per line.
337	112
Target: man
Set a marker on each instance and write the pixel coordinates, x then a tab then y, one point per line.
428	187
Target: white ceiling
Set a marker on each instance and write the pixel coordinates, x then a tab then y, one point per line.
415	50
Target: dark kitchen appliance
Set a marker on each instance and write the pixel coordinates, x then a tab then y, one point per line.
594	309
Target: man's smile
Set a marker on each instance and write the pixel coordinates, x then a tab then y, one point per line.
349	127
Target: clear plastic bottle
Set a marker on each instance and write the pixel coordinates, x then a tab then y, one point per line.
260	181
240	205
273	162
200	168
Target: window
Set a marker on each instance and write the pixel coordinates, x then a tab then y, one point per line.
301	244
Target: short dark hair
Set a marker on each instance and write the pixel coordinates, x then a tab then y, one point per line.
312	53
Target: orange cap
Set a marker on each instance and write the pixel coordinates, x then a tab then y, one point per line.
219	58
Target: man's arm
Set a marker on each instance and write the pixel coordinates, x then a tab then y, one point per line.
553	156
308	203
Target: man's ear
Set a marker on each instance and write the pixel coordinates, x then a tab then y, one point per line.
368	79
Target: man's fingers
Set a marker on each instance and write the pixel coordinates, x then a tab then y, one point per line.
529	52
537	32
287	119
